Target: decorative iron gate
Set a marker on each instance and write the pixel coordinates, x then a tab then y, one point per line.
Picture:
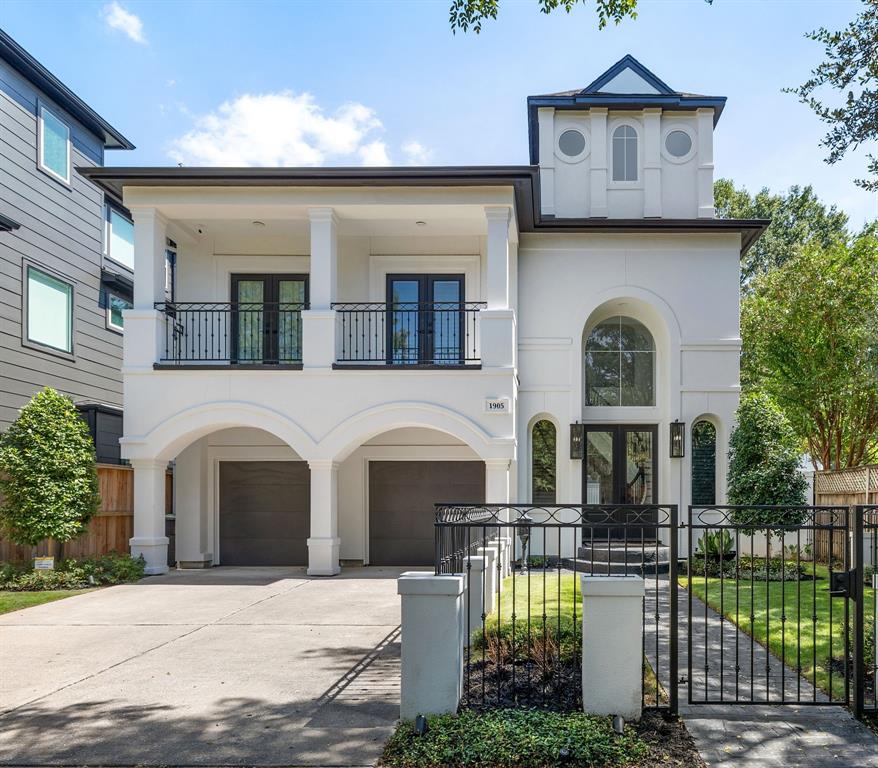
523	644
767	623
865	655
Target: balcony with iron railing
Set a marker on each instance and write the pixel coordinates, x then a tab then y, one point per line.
368	335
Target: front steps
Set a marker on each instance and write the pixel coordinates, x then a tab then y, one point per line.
618	559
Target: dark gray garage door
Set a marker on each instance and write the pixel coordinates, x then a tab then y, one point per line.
264	512
401	499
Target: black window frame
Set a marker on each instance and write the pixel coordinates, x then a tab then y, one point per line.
426	316
269	329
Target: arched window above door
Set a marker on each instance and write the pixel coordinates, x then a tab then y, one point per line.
620	364
703	464
543	447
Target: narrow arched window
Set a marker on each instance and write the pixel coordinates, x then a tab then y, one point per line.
624	154
543	474
703	464
620	363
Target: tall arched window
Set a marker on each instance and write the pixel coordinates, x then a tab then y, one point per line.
543	475
624	154
620	363
703	464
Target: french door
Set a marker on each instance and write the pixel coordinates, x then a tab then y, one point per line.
266	318
620	467
425	319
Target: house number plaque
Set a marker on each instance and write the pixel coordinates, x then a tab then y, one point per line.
496	405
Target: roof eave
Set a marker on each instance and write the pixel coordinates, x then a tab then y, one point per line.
20	60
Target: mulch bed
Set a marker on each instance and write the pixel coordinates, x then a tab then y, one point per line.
487	686
670	744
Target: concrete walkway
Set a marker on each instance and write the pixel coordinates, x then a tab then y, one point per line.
260	666
757	735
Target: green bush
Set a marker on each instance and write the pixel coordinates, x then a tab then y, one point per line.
74	574
48	475
764	458
511	737
747	568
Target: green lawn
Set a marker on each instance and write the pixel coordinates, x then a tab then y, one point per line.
15	601
799	602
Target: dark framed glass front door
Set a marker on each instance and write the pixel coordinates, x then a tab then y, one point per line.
425	319
621	467
266	318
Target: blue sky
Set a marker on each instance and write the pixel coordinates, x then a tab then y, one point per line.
348	83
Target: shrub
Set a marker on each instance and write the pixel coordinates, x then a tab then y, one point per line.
48	475
75	574
512	737
557	643
764	456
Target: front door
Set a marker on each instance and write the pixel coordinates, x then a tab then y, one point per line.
425	319
266	318
620	467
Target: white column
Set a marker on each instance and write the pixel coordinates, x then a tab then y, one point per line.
546	148
598	188
318	322
144	325
149	538
432	644
498	217
612	645
489	557
323	543
704	119
497	481
474	600
652	163
192	548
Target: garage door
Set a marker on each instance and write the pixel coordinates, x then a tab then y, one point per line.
401	499
264	512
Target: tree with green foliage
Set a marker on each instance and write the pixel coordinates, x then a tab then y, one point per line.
797	216
764	453
810	335
48	473
469	14
851	66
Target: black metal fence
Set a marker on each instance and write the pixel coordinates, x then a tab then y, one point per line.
865	656
766	622
523	627
409	333
253	333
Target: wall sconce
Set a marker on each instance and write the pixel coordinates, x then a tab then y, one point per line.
577	441
678	439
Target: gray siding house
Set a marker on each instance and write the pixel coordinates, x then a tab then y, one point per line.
66	250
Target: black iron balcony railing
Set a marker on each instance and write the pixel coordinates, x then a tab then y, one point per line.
237	333
441	334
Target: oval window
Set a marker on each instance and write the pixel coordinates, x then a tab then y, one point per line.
571	143
678	143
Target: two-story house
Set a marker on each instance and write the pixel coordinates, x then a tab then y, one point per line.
339	349
66	250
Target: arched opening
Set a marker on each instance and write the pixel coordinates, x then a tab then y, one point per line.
544	475
703	463
620	363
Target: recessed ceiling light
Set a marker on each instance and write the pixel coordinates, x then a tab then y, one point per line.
421	223
258	223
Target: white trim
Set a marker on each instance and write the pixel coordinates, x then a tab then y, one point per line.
693	147
41	107
381	265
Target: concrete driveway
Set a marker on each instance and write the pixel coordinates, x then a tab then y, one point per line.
230	666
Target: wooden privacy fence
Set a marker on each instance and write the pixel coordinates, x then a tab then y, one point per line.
109	530
845	487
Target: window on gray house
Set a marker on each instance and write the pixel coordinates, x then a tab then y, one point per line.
119	240
54	155
49	311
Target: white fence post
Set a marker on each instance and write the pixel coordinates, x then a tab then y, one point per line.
490	555
612	645
474	601
432	643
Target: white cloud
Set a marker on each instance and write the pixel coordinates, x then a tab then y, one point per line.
126	22
416	153
374	153
280	129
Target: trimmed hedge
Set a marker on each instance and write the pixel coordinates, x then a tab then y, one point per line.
74	574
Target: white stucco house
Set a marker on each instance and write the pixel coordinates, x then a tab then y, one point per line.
325	353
